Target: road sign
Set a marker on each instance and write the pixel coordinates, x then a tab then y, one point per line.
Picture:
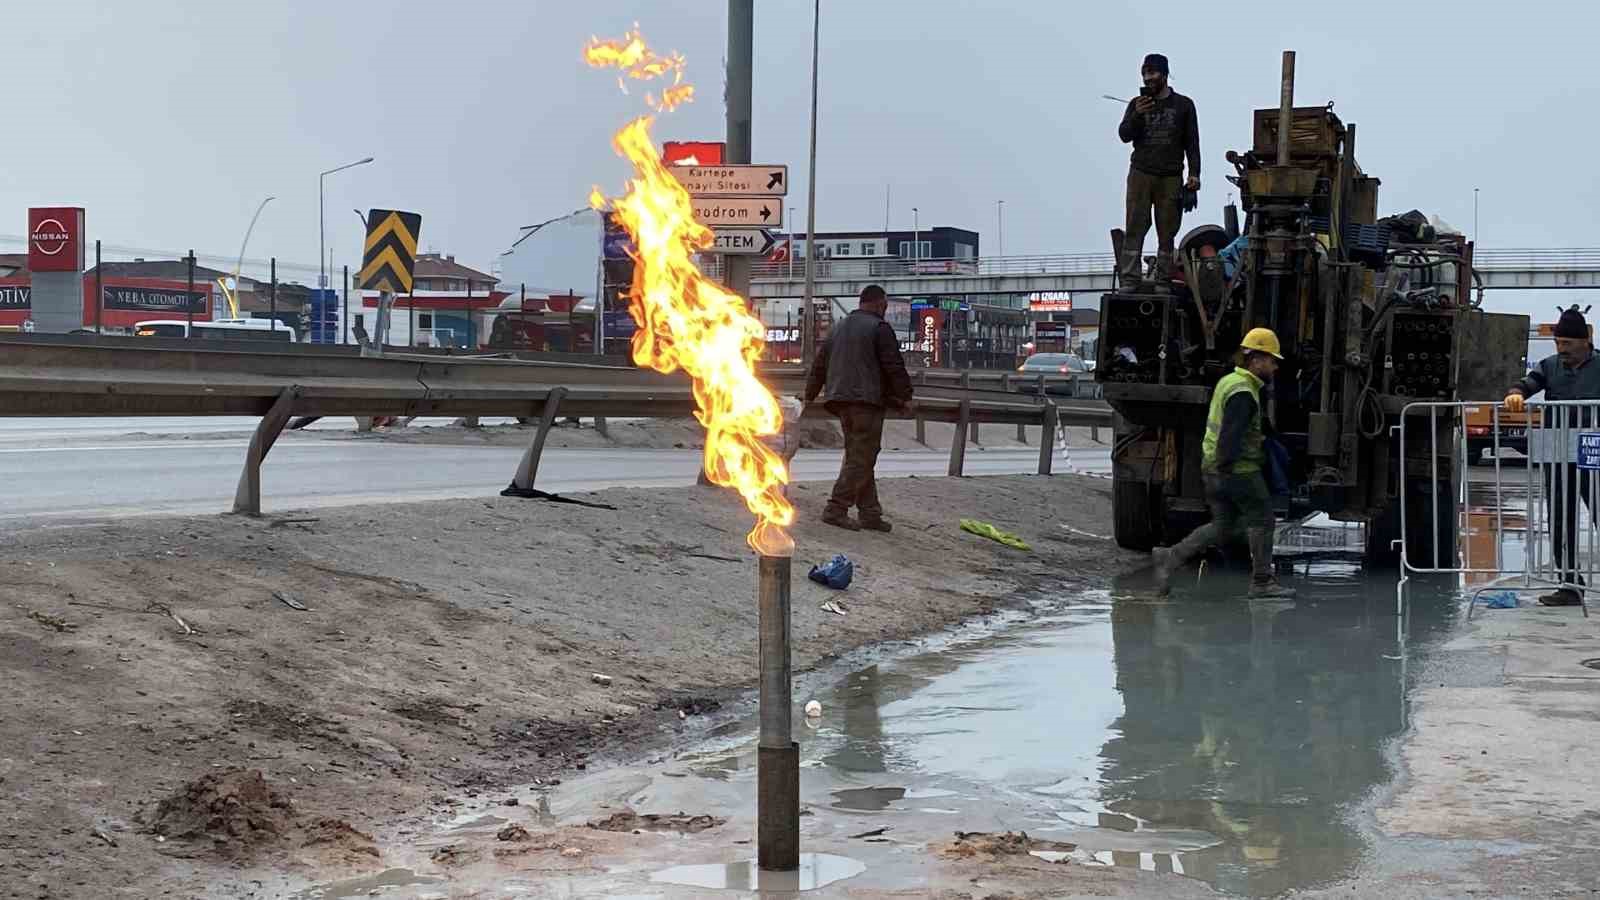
738	212
744	241
734	181
391	251
703	153
1589	450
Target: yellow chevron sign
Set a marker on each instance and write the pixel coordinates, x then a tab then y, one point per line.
390	259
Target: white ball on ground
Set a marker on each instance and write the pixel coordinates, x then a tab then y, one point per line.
813	708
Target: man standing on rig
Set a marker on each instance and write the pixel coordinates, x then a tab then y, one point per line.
1164	129
1233	458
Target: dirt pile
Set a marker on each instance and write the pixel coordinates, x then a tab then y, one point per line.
682	823
970	844
236	810
240	814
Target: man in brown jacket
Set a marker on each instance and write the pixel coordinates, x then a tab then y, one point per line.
860	374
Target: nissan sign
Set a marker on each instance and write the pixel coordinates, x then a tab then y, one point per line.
55	239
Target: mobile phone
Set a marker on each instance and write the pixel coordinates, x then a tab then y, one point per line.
1147	91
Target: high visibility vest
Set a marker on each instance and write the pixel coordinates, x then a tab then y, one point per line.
1252	456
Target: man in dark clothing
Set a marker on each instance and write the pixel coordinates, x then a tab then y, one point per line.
1573	373
1164	129
859	373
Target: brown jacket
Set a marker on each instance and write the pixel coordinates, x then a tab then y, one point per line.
860	363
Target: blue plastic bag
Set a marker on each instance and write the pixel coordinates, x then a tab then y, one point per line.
1500	600
835	573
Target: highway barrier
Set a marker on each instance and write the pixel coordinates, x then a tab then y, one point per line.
72	375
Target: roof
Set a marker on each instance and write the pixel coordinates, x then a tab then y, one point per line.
169	269
18	261
435	265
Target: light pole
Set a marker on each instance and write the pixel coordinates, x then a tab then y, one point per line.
233	301
1000	218
322	225
807	318
1474	215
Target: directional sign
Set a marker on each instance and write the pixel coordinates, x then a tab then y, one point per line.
734	181
744	241
738	212
391	254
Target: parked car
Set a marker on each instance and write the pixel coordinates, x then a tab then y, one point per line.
1053	364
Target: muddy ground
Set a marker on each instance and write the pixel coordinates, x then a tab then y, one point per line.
378	664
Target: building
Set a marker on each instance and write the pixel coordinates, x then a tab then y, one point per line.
129	293
938	242
450	305
13	264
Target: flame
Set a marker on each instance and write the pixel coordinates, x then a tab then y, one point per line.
686	321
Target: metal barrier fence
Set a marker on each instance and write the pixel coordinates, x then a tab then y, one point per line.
1560	550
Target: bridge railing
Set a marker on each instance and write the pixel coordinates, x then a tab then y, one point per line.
1538	258
894	267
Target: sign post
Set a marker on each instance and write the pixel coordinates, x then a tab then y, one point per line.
388	264
55	263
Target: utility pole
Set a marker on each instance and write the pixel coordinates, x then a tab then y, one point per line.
741	53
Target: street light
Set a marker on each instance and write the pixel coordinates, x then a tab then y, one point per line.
322	225
1474	215
233	301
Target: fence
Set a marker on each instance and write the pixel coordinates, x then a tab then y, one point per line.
1559	549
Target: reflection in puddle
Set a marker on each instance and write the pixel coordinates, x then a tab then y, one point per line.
816	870
368	886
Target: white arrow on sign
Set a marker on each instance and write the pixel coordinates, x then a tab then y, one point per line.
733	181
744	241
738	212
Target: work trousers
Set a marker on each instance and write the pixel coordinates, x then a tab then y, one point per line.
1241	512
1563	492
1159	193
857	486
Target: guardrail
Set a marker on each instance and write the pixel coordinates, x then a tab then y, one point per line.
51	375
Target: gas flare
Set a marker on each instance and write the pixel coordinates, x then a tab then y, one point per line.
686	321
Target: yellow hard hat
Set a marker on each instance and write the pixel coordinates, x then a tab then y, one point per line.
1262	340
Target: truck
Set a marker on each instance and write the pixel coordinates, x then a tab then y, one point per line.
1377	319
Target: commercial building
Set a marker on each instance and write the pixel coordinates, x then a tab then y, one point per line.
450	305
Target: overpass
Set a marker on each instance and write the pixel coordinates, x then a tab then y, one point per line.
1499	269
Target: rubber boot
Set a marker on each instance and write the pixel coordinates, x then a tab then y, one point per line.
1131	271
1170	559
1263	584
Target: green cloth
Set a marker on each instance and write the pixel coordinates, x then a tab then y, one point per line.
984	529
1252	455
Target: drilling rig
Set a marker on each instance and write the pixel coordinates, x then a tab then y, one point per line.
1374	315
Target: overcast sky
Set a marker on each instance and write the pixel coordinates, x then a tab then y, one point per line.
170	121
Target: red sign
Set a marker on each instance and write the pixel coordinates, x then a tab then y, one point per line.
693	153
128	301
929	335
55	239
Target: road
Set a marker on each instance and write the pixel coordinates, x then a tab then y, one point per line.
89	469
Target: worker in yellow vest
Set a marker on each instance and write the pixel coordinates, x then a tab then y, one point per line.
1232	459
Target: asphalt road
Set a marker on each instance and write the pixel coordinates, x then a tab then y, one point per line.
77	470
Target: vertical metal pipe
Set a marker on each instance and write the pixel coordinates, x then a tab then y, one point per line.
1285	107
922	422
1047	438
808	316
272	293
1433	479
345	338
1499	507
778	756
99	288
740	56
958	441
188	296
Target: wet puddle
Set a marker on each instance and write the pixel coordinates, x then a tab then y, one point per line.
816	870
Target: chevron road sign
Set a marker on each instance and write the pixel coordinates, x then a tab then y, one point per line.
391	251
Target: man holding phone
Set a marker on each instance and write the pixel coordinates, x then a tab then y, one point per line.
1164	130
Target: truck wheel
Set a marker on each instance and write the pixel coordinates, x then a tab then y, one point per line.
1133	515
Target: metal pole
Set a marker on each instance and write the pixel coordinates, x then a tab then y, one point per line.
916	239
188	296
791	243
1000	216
741	53
99	288
322	231
411	319
808	338
1474	215
778	756
272	294
346	337
1285	107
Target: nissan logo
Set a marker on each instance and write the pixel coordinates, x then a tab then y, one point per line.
50	237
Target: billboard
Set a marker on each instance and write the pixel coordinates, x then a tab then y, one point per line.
55	239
